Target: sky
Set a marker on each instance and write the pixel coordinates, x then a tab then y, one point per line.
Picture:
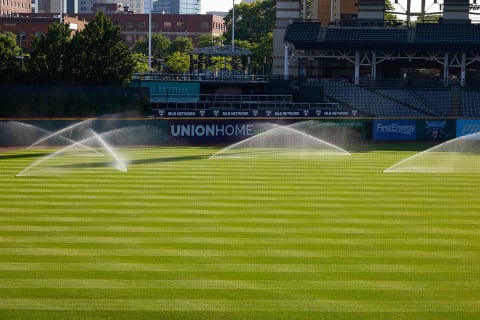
217	5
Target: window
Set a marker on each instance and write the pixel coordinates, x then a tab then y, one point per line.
129	38
180	24
167	24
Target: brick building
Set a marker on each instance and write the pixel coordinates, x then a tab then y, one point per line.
28	26
134	27
14	7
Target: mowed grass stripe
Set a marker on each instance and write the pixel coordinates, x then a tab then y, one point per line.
187	234
327	305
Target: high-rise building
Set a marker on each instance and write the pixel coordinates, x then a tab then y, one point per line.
177	6
137	6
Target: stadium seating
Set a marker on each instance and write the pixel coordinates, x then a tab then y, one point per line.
431	102
366	35
367	101
447	33
470	103
303	31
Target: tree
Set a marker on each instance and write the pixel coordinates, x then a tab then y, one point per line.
160	47
178	62
208	40
140	63
254	24
99	56
48	60
9	64
252	20
181	44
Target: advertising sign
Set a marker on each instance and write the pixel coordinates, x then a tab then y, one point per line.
254	113
394	130
465	127
215	131
435	129
172	91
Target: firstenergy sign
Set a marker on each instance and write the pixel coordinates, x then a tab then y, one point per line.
394	129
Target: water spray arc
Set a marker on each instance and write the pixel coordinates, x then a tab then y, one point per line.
119	164
283	134
456	155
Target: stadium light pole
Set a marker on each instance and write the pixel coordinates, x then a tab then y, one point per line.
233	26
150	37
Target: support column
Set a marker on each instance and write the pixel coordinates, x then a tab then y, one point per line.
446	67
357	67
374	66
463	69
285	63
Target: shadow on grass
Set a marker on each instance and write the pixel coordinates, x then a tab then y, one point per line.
134	162
22	155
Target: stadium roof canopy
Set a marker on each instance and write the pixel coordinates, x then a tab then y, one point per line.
311	35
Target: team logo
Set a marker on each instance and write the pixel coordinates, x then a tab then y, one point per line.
216	113
161	113
255	113
318	112
202	113
306	112
268	113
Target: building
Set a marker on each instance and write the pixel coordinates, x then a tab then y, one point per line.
351	39
134	27
28	26
177	6
14	7
88	6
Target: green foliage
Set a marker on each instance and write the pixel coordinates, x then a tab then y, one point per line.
160	45
208	40
254	24
252	20
101	58
140	62
9	64
181	44
178	62
49	59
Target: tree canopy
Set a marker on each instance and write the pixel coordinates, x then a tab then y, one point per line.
9	51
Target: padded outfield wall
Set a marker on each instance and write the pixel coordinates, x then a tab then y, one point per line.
211	131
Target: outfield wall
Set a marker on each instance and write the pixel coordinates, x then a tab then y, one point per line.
213	131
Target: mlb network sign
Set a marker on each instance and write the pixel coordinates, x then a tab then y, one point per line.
394	130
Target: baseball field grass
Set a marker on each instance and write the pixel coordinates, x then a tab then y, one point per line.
182	236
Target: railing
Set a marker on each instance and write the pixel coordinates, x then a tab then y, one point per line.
226	76
238	105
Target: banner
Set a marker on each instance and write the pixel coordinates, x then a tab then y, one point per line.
171	91
221	113
436	129
465	127
394	130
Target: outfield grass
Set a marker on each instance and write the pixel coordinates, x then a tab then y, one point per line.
180	236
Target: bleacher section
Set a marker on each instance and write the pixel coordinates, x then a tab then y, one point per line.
367	36
367	101
470	103
432	102
445	34
303	31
